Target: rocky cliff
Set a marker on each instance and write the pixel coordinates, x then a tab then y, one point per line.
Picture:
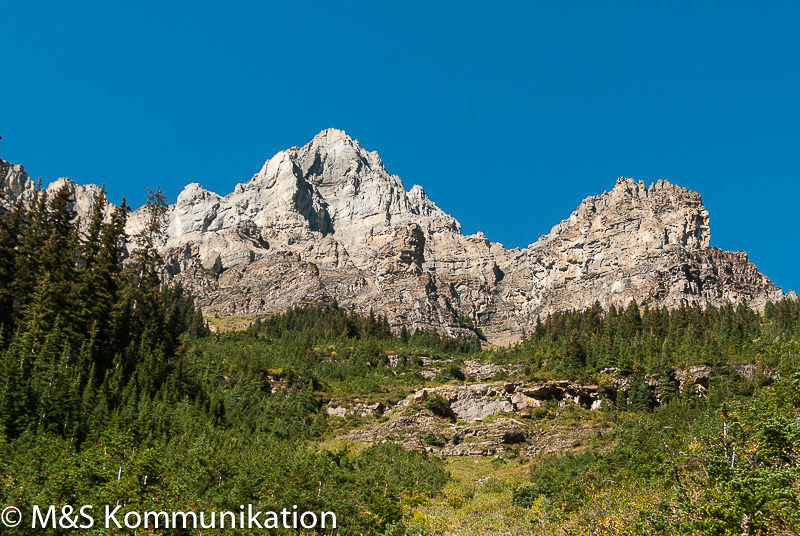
327	221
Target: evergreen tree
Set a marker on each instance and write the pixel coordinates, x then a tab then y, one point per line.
28	261
10	227
640	398
667	384
575	355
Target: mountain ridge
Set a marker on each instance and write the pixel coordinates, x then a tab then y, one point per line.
327	221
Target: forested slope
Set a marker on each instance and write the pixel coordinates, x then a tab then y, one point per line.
113	392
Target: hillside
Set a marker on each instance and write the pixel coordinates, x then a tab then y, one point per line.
629	420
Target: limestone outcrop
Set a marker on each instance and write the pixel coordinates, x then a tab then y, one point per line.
327	221
17	186
14	183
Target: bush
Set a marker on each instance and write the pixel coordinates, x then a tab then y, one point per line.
564	479
434	440
525	496
500	376
452	372
439	405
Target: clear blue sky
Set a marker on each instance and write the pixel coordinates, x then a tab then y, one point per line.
508	115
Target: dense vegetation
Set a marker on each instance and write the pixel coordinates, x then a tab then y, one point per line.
724	463
652	338
112	390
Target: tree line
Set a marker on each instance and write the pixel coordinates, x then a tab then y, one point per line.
652	338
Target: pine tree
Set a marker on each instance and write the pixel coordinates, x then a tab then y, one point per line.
10	228
404	335
667	384
142	312
146	257
575	356
640	398
631	321
15	400
94	288
28	262
56	294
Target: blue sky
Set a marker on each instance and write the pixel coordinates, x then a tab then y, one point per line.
508	114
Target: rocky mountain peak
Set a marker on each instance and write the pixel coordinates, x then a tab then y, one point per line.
334	154
327	221
344	188
656	217
192	193
14	183
330	136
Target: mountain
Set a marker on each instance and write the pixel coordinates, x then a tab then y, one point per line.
327	221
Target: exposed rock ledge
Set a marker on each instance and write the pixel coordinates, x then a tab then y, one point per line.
486	419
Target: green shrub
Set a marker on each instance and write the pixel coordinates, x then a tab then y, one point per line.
434	440
449	373
439	405
564	479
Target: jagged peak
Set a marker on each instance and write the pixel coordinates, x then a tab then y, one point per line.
330	146
9	171
329	136
194	192
64	181
418	191
272	168
14	182
84	193
337	144
631	186
6	165
662	201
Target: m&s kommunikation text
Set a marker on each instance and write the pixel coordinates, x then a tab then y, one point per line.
117	517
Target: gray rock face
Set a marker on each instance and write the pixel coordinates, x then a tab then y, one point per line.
476	402
484	419
14	183
17	186
327	221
